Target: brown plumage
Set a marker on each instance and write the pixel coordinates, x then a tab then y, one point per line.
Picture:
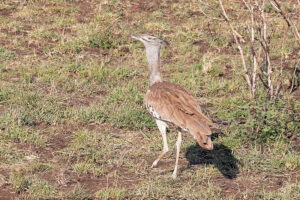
172	103
177	105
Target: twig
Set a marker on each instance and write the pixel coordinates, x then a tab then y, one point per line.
252	32
293	79
267	52
289	22
278	87
266	48
263	82
279	81
235	35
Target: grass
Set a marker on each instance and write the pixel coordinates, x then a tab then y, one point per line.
42	189
19	181
73	124
111	193
6	55
78	193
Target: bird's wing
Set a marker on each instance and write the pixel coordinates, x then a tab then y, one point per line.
175	104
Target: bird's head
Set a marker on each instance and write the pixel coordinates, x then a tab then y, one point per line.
150	40
204	140
207	142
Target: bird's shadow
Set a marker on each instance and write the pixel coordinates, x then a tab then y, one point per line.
221	157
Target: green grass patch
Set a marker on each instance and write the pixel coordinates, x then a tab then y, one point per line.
127	101
78	193
102	40
111	193
89	150
41	189
19	181
21	135
6	54
30	108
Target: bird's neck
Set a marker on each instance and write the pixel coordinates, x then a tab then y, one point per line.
153	57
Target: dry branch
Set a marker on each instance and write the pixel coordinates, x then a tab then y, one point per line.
252	33
289	22
266	48
293	78
236	35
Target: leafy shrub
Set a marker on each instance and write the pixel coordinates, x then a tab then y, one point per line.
102	40
262	121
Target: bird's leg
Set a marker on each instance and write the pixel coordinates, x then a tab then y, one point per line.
178	145
162	126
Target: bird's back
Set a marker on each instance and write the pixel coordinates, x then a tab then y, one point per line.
173	103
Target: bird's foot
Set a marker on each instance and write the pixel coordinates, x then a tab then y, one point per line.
154	164
174	175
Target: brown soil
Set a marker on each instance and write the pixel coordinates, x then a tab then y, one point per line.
47	153
239	186
86	10
296	144
145	6
7	12
2	109
205	47
7	192
66	180
73	101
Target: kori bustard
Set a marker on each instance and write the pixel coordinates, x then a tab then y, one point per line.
171	103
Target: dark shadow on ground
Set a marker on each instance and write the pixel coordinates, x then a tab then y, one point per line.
221	157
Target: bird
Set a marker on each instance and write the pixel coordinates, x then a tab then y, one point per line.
172	104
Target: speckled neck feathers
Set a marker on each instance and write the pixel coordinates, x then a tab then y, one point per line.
153	57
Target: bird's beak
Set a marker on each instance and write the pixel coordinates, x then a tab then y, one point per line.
209	145
134	36
205	143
